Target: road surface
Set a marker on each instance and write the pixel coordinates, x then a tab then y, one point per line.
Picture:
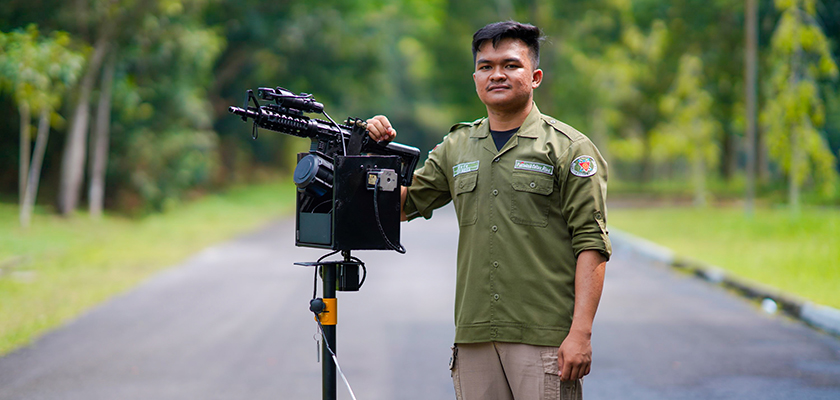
232	322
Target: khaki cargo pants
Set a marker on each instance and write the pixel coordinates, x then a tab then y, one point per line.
509	371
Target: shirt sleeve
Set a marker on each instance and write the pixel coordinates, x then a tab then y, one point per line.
430	188
584	198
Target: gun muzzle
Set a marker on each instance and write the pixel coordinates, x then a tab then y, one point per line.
245	114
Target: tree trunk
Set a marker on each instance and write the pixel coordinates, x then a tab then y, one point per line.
541	13
25	142
793	174
751	83
762	158
35	169
99	152
73	159
699	172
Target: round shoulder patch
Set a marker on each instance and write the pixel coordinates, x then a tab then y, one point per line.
584	166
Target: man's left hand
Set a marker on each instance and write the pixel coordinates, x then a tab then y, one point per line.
574	356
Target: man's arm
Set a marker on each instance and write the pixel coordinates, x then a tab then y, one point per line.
575	354
403	195
380	129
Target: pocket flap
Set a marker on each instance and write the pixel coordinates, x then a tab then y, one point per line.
465	182
532	183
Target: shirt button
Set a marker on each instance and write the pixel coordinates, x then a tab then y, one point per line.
494	228
533	185
496	296
496	159
496	264
495	192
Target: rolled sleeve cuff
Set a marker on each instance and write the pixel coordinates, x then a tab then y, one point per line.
593	241
411	210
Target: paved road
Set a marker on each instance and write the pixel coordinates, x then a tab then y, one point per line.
233	323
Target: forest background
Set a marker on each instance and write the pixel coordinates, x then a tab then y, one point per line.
120	107
122	104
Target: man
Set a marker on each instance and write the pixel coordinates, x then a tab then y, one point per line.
529	193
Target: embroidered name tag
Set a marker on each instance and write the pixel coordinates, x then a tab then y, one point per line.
464	168
534	167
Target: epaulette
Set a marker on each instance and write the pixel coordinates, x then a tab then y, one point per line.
465	125
563	128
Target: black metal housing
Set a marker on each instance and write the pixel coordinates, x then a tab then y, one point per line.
346	219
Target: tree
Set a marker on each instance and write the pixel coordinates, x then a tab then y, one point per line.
689	129
751	99
625	75
795	111
74	156
99	143
38	72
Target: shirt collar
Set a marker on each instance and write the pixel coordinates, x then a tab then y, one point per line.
483	128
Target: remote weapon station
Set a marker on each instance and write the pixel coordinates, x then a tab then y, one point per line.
348	197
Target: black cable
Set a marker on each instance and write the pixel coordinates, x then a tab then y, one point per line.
364	270
317	266
341	137
329	201
399	247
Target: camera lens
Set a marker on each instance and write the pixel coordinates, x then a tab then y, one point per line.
314	175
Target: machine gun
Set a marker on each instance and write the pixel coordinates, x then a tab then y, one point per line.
286	115
348	185
337	178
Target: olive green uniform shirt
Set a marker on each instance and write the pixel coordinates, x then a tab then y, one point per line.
525	213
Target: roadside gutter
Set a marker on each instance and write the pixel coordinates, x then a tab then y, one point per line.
815	315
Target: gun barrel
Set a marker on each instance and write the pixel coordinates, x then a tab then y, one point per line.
243	112
289	124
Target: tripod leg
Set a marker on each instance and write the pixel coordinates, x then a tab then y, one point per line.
327	364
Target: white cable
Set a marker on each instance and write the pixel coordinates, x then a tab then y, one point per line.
335	359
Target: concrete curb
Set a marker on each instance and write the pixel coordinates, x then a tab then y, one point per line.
815	315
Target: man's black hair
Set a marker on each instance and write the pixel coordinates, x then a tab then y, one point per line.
529	34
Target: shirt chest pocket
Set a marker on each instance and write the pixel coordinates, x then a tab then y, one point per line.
530	201
466	201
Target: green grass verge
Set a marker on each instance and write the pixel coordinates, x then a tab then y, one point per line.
796	254
60	267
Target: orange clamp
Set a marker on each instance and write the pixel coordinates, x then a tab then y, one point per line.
330	314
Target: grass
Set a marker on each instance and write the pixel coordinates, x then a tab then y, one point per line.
60	267
796	254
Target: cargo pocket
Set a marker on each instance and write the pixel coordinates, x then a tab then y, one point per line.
453	369
571	390
531	200
552	374
465	200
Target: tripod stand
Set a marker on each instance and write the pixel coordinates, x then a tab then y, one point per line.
337	276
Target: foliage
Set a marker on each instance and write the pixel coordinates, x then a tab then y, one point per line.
168	165
611	69
689	129
795	110
38	70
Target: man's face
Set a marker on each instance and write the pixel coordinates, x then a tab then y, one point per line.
504	76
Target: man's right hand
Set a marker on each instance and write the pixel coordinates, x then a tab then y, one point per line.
380	129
